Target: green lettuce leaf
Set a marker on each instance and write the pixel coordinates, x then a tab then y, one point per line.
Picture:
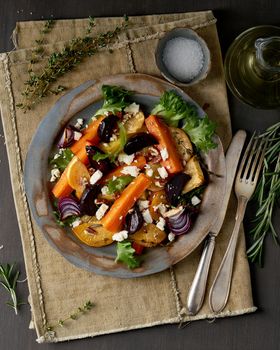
63	159
118	184
115	99
125	254
174	110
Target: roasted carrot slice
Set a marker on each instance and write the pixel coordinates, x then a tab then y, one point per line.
113	220
62	187
161	132
140	162
90	135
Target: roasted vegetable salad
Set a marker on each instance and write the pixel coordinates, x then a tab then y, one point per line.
131	178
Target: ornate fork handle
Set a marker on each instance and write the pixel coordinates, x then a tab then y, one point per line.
220	289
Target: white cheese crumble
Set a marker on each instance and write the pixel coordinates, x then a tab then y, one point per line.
171	237
57	155
101	211
76	223
162	208
77	135
55	174
104	190
195	200
163	172
149	172
94	118
147	216
114	137
164	154
120	236
125	158
131	170
132	108
79	123
158	184
143	204
96	176
160	224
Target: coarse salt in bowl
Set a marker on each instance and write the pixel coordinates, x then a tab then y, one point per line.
183	57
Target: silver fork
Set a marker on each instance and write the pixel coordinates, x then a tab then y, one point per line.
245	184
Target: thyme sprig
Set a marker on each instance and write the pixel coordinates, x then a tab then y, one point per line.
74	52
8	279
267	195
88	305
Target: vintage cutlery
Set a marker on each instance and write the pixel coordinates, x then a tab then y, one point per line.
198	287
245	185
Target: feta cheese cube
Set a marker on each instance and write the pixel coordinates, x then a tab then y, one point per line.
96	176
195	200
76	223
147	216
77	135
163	172
143	204
132	108
160	224
125	158
56	156
131	170
149	172
79	123
101	211
171	237
164	154
120	236
104	190
55	174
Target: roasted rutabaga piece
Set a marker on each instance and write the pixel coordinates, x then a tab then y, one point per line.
131	178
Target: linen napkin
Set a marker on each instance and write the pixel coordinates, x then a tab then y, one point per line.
57	287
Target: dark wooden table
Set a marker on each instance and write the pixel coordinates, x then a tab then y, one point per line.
250	332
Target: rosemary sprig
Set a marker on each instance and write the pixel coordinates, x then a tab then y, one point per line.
8	279
267	195
74	52
88	305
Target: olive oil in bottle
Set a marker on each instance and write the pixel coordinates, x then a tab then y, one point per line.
252	67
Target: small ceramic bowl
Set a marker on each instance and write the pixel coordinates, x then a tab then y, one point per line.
188	34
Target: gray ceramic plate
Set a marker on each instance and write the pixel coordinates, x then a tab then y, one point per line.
82	102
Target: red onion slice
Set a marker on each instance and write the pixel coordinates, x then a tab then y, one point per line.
180	223
67	137
67	206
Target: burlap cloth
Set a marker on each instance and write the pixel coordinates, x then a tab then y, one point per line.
57	287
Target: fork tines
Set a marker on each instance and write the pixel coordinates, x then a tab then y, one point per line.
253	159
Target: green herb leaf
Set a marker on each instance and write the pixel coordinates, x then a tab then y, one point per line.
100	156
65	223
186	198
125	254
63	159
267	195
118	184
115	99
8	279
174	110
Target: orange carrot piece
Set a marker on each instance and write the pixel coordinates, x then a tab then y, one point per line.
90	135
161	132
62	188
140	162
113	220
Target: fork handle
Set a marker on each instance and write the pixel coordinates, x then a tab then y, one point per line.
220	289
